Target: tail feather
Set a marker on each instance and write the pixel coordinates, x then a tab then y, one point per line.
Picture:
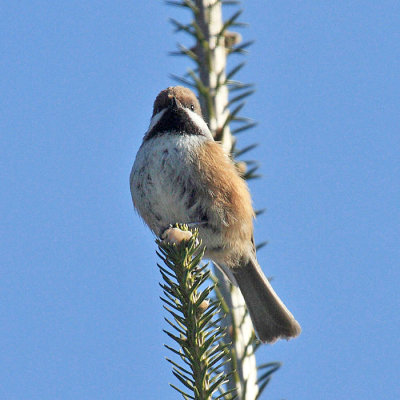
271	319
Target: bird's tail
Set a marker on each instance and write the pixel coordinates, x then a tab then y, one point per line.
271	319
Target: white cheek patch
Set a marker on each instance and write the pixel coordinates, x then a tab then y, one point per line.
199	122
155	119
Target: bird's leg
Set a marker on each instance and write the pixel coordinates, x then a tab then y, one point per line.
192	225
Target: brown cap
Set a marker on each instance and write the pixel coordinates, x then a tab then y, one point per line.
184	96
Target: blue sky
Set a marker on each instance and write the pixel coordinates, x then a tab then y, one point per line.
80	316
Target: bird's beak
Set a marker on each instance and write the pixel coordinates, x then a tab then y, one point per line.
173	103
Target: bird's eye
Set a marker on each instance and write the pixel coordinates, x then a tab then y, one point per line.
192	107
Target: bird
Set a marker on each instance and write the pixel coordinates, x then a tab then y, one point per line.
182	175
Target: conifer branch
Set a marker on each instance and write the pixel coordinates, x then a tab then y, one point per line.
194	322
218	91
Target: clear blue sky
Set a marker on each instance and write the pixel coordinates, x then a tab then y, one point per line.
80	316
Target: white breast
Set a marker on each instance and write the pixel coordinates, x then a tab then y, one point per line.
161	179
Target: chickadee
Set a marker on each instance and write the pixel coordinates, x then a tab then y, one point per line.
182	175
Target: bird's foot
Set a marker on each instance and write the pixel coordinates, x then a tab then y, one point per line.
175	235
